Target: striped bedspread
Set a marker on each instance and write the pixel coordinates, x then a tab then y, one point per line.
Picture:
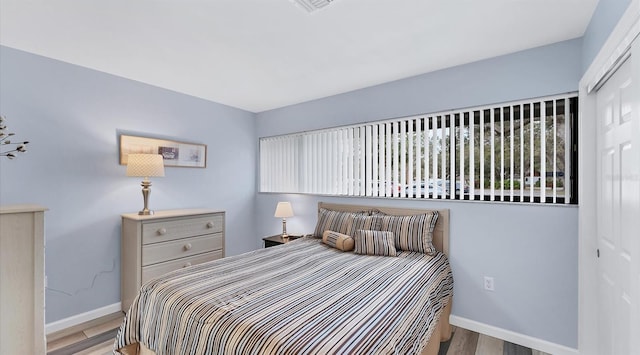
299	298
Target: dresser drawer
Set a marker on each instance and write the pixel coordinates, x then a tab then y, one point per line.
161	231
175	249
149	272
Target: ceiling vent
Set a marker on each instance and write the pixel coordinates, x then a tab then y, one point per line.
312	5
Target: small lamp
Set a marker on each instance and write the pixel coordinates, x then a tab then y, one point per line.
145	165
284	210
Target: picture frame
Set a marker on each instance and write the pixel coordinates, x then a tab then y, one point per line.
174	153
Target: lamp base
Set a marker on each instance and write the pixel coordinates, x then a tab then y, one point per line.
146	191
284	229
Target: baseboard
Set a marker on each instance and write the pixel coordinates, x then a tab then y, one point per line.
82	318
513	337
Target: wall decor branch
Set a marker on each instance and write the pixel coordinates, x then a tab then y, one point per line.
8	148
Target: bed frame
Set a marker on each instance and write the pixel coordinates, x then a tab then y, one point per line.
440	242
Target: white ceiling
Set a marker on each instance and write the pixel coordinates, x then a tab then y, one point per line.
263	54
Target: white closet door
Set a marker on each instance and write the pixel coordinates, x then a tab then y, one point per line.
618	209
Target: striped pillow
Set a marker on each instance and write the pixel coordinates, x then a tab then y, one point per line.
337	221
365	222
370	242
412	233
337	240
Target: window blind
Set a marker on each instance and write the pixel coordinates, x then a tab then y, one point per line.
517	151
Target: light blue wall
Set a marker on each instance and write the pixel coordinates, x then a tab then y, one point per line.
526	74
604	19
72	117
531	251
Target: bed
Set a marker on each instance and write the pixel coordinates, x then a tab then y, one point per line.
304	297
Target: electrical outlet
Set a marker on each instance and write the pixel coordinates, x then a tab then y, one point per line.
488	283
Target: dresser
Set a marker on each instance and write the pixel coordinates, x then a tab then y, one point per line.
166	241
22	279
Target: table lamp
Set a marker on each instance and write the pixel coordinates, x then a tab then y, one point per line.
284	210
145	165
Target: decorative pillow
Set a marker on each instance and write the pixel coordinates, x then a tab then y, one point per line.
372	242
412	233
365	222
337	240
337	221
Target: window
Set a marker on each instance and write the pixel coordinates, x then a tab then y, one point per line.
518	151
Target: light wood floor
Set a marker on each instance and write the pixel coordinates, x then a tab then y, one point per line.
463	342
466	342
92	336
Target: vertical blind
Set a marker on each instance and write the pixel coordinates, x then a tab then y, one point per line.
516	151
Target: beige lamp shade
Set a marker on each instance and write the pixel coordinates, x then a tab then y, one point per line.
145	165
283	210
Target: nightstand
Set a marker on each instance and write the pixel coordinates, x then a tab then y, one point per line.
277	239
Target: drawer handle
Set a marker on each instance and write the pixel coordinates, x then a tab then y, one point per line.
187	246
210	224
162	231
187	264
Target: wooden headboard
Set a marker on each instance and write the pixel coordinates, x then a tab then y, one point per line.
440	233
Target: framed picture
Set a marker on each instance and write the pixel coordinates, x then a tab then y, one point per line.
175	153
